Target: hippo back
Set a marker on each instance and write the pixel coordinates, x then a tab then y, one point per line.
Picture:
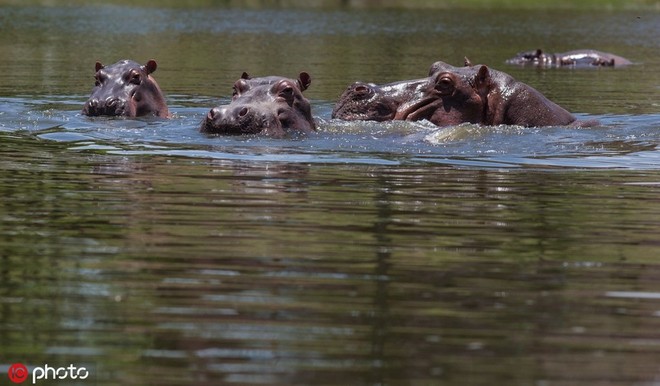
575	58
511	102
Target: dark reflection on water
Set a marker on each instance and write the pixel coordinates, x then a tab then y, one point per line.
167	270
363	254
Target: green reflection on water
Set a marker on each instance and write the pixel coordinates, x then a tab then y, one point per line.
52	50
167	270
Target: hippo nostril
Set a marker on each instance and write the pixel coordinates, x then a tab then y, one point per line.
243	112
212	113
111	102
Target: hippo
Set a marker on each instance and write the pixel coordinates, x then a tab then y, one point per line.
272	106
126	89
481	95
370	102
576	58
453	95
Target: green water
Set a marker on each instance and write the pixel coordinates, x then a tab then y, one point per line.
370	254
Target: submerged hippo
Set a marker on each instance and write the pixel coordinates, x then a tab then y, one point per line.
126	89
271	105
370	102
577	58
478	94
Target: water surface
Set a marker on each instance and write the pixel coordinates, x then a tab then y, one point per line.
366	253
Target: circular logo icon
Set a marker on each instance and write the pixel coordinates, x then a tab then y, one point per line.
18	373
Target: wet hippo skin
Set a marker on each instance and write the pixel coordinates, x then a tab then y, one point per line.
272	105
126	89
478	94
371	102
451	96
576	58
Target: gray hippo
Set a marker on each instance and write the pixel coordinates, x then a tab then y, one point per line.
271	105
576	58
127	89
371	102
454	95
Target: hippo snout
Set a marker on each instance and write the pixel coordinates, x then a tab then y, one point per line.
224	114
220	114
108	106
232	120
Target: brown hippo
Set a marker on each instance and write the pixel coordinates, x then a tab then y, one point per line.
126	89
450	96
576	58
478	94
271	105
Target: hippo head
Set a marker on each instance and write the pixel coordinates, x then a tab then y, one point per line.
365	101
270	105
127	89
452	95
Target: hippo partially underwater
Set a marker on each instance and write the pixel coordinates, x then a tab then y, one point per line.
576	58
272	105
371	102
454	95
126	89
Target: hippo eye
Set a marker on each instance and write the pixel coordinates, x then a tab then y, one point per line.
240	87
234	92
99	78
362	91
135	78
286	92
445	85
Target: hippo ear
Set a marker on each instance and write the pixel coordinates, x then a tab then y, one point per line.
492	102
151	66
467	62
245	75
482	77
304	80
99	66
